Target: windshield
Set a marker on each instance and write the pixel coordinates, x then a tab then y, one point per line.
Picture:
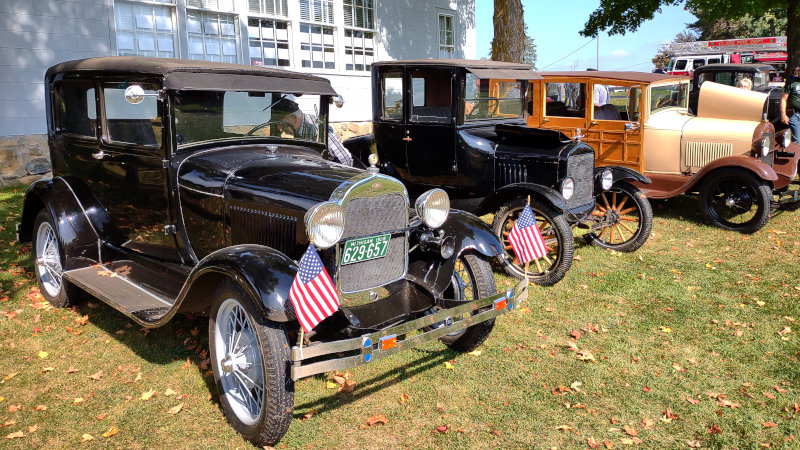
490	99
212	115
666	96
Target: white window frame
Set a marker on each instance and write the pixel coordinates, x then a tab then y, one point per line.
367	53
206	37
154	33
325	9
280	8
307	39
447	50
352	7
274	39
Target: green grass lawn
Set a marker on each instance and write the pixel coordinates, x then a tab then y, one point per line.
691	341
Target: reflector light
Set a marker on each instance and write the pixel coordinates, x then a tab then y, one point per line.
500	304
366	345
388	342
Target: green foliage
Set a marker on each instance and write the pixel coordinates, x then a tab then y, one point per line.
771	23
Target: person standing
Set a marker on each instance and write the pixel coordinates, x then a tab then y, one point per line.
791	95
600	94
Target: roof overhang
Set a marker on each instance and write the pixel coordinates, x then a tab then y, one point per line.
204	81
504	73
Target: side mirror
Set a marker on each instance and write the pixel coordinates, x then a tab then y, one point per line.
337	100
134	94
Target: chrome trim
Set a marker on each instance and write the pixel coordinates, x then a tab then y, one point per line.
512	296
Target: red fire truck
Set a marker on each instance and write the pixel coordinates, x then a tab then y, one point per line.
687	56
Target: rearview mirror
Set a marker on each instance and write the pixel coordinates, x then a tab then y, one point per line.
337	100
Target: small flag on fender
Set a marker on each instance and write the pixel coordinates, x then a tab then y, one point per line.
526	238
313	294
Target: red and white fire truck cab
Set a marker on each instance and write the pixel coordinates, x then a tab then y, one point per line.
688	56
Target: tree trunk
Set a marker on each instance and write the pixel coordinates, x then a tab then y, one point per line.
792	35
509	31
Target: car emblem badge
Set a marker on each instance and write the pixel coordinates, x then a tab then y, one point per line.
376	186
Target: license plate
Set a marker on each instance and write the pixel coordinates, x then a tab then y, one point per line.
364	249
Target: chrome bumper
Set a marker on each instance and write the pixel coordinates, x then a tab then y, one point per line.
367	348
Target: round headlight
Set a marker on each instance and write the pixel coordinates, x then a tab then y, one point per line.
325	224
606	180
765	147
433	207
567	188
787	138
372	159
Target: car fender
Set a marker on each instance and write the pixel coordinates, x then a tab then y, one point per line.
470	233
748	163
76	233
264	273
517	190
620	174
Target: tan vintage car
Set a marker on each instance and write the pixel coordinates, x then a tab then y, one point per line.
728	152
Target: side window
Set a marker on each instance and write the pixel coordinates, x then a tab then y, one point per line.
392	108
680	65
623	104
698	63
703	77
565	99
127	123
432	96
713	60
725	78
75	109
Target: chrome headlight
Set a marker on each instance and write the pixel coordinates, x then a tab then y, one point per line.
606	180
765	146
433	207
567	188
325	224
787	138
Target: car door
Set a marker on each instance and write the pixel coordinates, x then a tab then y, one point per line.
389	119
133	172
430	127
616	129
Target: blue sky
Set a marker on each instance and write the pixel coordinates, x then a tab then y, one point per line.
554	25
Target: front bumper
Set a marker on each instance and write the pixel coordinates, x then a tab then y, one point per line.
325	357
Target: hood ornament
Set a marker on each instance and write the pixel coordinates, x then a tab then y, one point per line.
272	150
578	135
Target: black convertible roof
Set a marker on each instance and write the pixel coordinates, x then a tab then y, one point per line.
497	70
184	74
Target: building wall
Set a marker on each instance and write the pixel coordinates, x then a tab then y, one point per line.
36	34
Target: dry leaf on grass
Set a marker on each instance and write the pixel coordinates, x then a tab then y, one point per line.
147	395
97	376
403	398
33	428
72	370
111	431
15	435
769	424
630	431
175	409
40	408
87	437
376	419
169	392
442	428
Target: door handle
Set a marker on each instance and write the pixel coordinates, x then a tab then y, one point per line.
407	139
98	155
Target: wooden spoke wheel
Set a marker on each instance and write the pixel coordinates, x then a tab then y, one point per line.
625	218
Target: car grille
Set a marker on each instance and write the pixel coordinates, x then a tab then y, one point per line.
366	216
581	169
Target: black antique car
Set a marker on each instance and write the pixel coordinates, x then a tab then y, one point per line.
459	125
195	187
732	75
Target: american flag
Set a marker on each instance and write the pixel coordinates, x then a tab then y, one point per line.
313	294
526	238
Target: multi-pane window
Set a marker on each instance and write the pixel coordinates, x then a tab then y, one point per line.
447	47
359	13
212	36
317	10
268	42
219	5
316	47
268	7
358	49
145	30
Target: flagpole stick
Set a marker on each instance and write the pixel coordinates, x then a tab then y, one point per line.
301	338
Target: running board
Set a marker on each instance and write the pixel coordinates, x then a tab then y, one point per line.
129	298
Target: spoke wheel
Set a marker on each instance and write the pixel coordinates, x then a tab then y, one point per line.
472	279
627	215
736	200
250	358
49	262
555	233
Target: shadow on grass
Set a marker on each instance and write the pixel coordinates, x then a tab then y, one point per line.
682	207
427	361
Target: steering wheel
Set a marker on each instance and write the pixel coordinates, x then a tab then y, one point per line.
282	125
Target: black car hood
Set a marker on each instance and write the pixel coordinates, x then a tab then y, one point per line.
519	141
295	176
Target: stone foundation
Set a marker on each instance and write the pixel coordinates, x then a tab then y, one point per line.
23	159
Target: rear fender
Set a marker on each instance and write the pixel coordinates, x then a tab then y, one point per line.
264	273
78	237
521	190
470	233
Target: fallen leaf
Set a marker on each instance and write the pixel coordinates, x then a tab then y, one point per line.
97	376
331	385
692	401
664	329
40	408
475	353
72	370
100	416
175	409
147	395
647	423
111	431
608	444
403	398
769	424
42	354
565	428
376	419
442	428
592	442
47	369
714	429
8	423
15	435
33	428
630	431
10	376
310	414
448	365
87	437
769	395
348	386
78	400
169	392
14	408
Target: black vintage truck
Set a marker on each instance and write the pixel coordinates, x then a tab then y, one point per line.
459	125
195	187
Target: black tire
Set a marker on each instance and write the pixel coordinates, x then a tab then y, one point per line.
555	232
267	424
627	210
49	268
472	279
736	200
